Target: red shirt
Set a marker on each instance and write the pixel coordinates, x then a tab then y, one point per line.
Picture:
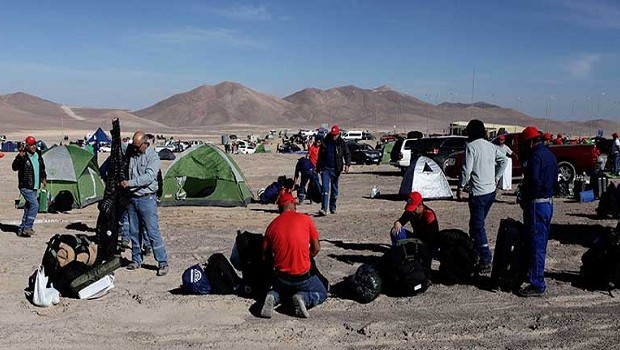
288	237
426	225
313	154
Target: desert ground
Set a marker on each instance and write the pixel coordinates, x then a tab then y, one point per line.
143	313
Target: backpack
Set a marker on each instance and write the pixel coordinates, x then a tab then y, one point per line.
270	194
64	249
600	269
407	267
62	202
457	256
365	284
257	275
221	275
194	280
608	204
315	191
509	270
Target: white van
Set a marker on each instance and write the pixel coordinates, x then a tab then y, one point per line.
352	135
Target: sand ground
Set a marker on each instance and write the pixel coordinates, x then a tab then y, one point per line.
142	313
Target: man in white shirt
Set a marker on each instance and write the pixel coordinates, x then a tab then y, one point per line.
505	182
484	163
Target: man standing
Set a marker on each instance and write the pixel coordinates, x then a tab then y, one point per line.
313	150
333	157
484	164
291	240
539	179
31	176
505	183
423	222
142	184
615	154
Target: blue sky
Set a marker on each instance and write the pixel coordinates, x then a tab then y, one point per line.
544	56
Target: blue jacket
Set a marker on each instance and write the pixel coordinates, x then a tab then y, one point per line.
540	174
304	165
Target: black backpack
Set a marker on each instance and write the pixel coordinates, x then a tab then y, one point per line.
257	274
457	257
608	204
600	269
509	270
64	249
315	191
62	202
407	267
365	284
221	275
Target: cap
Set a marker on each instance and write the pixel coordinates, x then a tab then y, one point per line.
502	137
413	201
547	136
529	133
335	129
560	135
31	141
284	198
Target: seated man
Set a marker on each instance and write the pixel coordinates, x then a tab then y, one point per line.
291	240
423	221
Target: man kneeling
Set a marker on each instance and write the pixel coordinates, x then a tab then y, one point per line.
291	240
423	222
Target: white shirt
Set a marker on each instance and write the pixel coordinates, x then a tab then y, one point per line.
505	149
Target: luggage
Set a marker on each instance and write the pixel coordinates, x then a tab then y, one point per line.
599	184
257	274
43	198
64	249
315	191
578	187
586	196
407	267
600	268
457	257
608	204
508	270
222	275
195	281
365	284
94	274
62	202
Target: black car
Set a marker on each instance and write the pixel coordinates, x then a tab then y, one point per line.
362	153
438	148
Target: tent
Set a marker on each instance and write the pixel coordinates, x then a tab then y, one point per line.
426	177
74	169
205	175
263	148
387	150
9	146
166	154
99	136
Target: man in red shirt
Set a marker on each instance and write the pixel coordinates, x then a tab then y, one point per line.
313	150
423	221
291	240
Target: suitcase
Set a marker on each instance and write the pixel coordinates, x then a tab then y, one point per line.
578	187
508	271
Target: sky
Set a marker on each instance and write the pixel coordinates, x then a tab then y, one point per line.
548	58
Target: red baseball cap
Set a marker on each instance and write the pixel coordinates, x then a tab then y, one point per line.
547	136
335	129
502	137
284	198
413	201
529	133
30	140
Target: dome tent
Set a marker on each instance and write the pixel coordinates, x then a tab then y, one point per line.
74	169
205	175
426	177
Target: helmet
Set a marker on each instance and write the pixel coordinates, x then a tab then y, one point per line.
529	132
30	141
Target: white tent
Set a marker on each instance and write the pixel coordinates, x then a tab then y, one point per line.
426	177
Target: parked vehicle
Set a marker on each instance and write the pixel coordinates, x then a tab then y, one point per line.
352	135
362	153
572	159
245	147
400	156
436	148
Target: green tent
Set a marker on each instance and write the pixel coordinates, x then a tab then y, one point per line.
262	148
387	149
74	169
205	175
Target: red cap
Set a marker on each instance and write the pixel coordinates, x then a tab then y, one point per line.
31	141
615	135
547	136
529	133
502	137
285	197
413	201
335	129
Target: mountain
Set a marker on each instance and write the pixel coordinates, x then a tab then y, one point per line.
226	103
481	105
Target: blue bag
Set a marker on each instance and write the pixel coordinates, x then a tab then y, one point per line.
586	196
195	280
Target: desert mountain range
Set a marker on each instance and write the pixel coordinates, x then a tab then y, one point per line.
230	104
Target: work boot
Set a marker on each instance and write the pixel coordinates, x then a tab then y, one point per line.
332	211
268	305
300	306
132	266
529	291
322	212
483	269
27	232
163	270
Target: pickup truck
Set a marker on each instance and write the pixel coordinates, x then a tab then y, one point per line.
572	159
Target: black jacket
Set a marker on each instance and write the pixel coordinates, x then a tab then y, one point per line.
25	171
343	157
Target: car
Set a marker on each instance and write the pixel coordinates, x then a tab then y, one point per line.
438	149
245	147
362	153
400	156
352	135
105	149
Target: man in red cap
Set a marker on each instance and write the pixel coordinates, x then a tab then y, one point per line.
559	140
540	175
547	138
31	177
615	154
423	222
291	240
334	156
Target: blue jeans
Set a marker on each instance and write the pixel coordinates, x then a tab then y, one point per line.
615	168
303	183
329	180
537	220
145	209
311	289
479	207
31	208
125	230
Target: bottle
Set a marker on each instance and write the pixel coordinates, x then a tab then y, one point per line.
374	192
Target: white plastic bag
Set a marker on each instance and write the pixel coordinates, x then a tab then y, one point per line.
43	296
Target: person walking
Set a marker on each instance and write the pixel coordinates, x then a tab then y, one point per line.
505	182
615	155
291	240
31	176
540	176
484	163
142	184
334	157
